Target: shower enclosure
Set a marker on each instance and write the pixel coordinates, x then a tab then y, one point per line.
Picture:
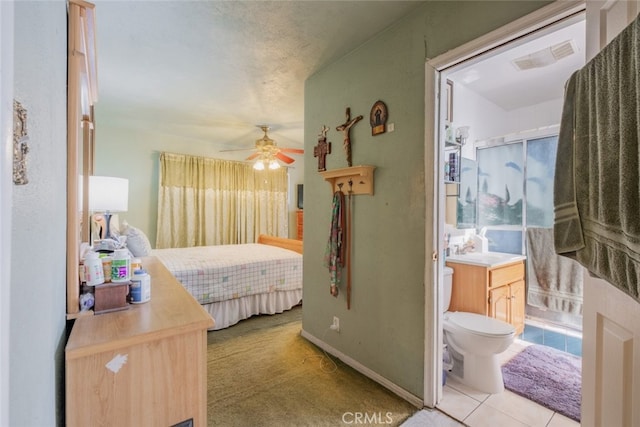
509	191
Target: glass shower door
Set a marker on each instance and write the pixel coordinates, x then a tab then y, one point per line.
501	196
540	169
515	190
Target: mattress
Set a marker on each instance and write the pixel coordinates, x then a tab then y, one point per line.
219	273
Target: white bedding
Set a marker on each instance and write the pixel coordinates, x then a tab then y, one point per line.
226	272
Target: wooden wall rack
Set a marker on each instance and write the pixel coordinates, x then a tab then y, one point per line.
361	178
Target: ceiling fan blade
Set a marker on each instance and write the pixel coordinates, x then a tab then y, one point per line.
292	150
288	160
253	156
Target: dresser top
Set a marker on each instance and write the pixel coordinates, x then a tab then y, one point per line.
171	310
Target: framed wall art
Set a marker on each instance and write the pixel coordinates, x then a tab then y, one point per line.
378	118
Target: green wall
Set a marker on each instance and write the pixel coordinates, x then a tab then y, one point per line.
37	324
392	230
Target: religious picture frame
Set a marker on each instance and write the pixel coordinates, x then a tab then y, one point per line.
378	118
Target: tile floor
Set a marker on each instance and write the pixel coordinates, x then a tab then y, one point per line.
506	409
463	406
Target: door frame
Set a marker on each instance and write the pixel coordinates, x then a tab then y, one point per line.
6	191
435	79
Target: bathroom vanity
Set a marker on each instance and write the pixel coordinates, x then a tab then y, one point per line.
489	283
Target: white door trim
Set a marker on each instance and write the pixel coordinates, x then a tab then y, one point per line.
6	189
509	33
534	21
432	316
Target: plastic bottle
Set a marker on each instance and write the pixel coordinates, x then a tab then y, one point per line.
140	290
87	301
93	272
120	266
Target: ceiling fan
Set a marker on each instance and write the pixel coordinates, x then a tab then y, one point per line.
267	152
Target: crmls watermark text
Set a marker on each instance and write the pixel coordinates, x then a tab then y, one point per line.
366	418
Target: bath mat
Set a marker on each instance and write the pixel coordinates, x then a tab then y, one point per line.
546	376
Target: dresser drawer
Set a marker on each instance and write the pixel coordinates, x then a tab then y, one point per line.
504	275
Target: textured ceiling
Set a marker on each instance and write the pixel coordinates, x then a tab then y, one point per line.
212	70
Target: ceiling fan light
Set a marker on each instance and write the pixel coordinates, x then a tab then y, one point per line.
259	165
274	165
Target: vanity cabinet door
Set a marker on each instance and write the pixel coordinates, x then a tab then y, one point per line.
517	294
500	303
506	303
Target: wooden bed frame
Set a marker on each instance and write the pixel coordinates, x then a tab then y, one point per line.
291	244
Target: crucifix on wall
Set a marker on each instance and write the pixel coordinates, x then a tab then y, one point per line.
322	149
345	128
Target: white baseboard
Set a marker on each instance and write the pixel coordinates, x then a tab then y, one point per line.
414	400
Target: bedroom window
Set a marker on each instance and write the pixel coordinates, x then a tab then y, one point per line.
205	202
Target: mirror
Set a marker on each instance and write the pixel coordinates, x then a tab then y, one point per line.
81	96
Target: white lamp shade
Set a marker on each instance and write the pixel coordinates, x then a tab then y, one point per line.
108	194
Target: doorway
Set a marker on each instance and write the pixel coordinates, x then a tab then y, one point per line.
458	74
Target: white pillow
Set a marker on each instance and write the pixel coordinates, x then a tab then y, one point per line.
137	242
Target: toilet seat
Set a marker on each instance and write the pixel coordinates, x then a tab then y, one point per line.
479	324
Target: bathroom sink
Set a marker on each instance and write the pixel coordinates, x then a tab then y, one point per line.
487	259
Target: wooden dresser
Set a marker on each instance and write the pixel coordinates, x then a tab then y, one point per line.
300	219
143	366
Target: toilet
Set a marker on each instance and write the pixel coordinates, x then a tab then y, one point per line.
474	342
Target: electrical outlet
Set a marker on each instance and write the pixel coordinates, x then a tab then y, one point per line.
335	326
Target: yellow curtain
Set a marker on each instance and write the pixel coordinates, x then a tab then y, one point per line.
204	202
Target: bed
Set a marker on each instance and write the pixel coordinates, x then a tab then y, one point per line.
235	282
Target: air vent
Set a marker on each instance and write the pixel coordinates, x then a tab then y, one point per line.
562	50
544	57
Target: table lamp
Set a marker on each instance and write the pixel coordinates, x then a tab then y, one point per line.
108	194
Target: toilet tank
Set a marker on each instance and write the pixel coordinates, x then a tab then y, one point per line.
447	284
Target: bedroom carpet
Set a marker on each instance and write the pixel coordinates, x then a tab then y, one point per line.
261	372
547	376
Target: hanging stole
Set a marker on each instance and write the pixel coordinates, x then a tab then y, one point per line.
334	253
